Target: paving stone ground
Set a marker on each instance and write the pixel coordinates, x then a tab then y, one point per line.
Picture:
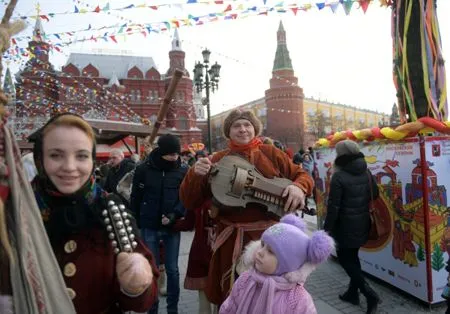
324	285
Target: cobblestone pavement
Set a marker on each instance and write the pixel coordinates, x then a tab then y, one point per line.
324	285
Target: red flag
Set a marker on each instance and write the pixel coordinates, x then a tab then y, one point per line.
113	38
294	10
218	2
364	4
153	7
97	9
93	38
228	8
44	17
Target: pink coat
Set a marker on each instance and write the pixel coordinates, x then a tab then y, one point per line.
256	293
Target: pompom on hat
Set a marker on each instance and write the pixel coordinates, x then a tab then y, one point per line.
293	247
241	114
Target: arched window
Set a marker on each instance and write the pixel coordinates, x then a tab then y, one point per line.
183	123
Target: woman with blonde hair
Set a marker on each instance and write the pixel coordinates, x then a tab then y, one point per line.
71	204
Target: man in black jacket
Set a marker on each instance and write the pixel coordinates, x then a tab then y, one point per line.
119	166
156	205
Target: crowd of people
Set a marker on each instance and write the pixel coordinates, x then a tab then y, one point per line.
241	261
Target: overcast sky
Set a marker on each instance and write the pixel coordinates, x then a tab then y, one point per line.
339	58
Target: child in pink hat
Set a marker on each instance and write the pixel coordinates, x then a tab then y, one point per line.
280	263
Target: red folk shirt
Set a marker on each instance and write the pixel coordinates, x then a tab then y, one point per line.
88	265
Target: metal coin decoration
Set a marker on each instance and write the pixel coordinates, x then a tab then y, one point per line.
118	226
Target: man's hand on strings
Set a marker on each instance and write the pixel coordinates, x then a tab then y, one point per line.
295	198
202	166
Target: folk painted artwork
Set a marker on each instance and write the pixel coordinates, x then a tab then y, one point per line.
400	257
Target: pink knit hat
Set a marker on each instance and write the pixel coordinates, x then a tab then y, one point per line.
293	247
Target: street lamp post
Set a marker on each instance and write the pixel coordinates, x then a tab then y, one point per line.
211	81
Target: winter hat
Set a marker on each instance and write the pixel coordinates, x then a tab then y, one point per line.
169	144
293	247
347	147
241	114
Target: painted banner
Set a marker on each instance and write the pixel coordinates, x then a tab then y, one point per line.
400	257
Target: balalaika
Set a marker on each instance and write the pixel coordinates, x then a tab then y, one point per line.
235	182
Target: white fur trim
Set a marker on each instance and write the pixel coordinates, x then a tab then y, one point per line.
300	275
247	259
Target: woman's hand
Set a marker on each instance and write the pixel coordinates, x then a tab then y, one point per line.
134	273
295	198
202	166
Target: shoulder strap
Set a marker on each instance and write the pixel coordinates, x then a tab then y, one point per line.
369	175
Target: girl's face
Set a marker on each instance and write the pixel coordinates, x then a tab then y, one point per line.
242	131
67	158
265	260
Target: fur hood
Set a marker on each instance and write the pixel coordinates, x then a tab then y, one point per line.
247	261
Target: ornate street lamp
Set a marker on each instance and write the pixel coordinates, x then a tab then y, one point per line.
211	80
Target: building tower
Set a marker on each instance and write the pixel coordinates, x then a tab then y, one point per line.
9	89
181	115
284	99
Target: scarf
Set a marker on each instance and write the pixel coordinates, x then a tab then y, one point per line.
161	163
67	214
245	149
264	303
36	280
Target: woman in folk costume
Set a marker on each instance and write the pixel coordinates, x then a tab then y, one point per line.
348	217
97	280
241	128
279	265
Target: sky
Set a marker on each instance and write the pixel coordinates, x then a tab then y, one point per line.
339	58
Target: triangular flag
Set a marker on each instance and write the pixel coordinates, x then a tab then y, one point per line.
97	9
294	10
192	1
106	7
228	8
44	17
320	5
347	6
76	10
364	4
334	6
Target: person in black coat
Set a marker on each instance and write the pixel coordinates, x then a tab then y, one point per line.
119	166
156	205
348	217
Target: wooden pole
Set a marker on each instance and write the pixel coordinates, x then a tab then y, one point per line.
165	106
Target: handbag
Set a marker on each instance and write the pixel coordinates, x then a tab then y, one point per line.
378	228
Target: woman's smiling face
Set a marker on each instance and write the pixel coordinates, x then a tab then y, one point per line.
67	158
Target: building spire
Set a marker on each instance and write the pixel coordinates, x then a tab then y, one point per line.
8	86
38	31
176	42
282	59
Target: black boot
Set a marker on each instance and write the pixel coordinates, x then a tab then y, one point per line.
351	295
372	298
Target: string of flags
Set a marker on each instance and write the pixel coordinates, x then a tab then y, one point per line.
232	5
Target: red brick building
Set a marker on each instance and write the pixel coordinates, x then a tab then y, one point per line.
105	87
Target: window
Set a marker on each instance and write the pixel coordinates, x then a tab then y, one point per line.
153	96
183	123
132	95
138	95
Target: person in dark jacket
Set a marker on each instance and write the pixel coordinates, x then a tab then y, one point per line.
348	218
119	166
156	205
